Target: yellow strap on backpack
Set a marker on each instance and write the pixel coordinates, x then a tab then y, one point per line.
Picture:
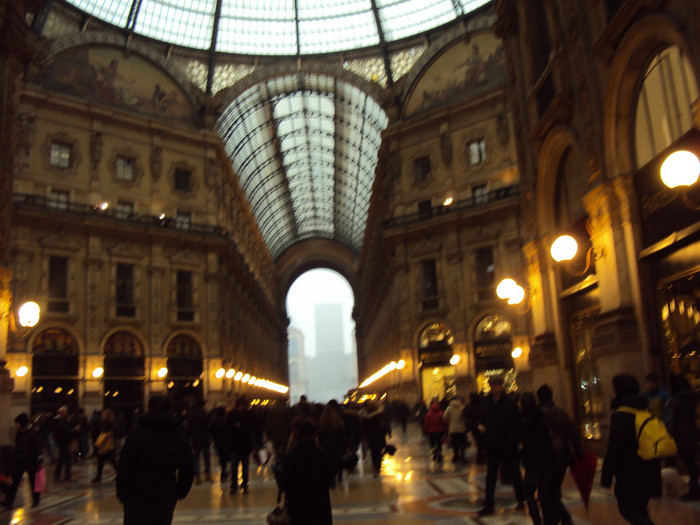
653	439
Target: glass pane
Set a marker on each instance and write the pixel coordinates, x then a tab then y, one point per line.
189	26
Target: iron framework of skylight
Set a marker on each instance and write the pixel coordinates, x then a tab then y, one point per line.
278	27
304	147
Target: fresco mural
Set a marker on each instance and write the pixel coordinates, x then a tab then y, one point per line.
107	76
464	70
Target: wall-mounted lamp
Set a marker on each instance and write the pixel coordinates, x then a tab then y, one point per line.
513	294
517	352
454	359
681	169
220	373
230	373
448	201
28	314
401	364
98	372
238	376
21	371
564	249
162	372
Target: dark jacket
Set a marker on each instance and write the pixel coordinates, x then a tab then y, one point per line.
156	462
27	449
537	451
241	431
306	478
632	474
681	421
63	431
499	418
198	428
564	434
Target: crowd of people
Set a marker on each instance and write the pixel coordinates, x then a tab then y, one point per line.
522	437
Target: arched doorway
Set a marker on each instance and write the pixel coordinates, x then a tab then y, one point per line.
434	355
125	373
493	347
185	369
55	366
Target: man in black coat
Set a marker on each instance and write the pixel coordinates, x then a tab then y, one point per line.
198	428
306	477
65	430
241	431
499	416
26	459
156	467
636	480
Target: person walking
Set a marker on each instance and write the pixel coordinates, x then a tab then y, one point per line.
375	430
156	467
332	438
434	427
105	445
456	429
198	428
499	416
565	443
26	459
220	438
239	423
64	432
306	477
636	480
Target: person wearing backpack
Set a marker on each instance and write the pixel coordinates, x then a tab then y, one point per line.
636	480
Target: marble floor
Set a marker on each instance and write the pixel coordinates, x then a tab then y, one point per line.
412	490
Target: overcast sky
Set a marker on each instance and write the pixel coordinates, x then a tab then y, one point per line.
318	287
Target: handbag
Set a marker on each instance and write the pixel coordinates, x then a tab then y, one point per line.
280	514
40	479
104	442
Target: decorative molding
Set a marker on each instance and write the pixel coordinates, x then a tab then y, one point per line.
129	153
75	155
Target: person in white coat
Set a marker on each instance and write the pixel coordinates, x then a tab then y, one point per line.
457	429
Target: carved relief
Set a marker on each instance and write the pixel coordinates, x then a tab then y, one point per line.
95	153
25	139
156	162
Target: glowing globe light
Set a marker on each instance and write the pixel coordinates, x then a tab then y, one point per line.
245	378
22	371
238	376
448	201
162	372
29	314
97	372
220	373
251	380
517	352
517	295
564	248
454	359
230	373
681	168
401	364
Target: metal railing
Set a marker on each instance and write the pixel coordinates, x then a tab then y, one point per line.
23	200
472	203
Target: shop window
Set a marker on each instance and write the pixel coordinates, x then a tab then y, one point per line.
124	373
185	299
477	152
58	284
125	291
60	155
185	368
422	169
55	371
588	379
434	353
492	351
125	168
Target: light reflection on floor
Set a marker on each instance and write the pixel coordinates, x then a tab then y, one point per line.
411	491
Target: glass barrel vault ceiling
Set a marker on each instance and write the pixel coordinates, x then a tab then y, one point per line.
278	27
305	148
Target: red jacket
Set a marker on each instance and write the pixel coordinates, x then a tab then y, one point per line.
433	422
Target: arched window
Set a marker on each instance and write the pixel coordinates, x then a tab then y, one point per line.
664	112
125	373
492	350
434	354
185	368
55	366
